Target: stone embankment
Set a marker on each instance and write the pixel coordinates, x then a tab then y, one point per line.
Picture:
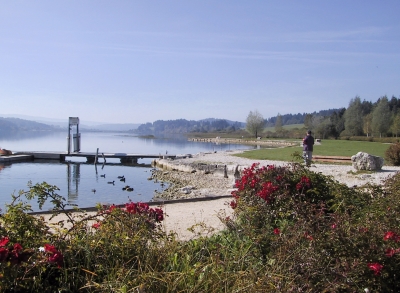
193	179
213	174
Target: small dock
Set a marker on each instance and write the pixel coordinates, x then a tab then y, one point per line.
90	157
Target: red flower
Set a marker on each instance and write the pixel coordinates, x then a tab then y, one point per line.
390	252
158	214
57	258
305	182
4	241
55	255
142	207
111	208
17	247
233	204
308	236
96	225
333	226
390	235
16	252
131	208
277	231
267	190
376	268
50	248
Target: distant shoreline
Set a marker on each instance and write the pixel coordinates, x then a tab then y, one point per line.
217	140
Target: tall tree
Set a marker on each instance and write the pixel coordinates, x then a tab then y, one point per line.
367	124
255	123
308	121
322	126
381	117
278	123
395	128
353	117
337	120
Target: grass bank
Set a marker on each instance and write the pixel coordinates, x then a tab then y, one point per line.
326	148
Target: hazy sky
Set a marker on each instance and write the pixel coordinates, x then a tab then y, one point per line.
141	61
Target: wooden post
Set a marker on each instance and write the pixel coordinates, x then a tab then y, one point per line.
96	157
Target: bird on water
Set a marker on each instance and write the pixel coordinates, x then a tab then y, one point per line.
104	175
111	182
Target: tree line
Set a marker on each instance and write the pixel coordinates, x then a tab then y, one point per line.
187	126
361	118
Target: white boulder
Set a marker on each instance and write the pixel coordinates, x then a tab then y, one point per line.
364	161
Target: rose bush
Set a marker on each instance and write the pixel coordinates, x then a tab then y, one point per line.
316	235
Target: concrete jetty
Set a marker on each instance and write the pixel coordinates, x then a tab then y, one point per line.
90	157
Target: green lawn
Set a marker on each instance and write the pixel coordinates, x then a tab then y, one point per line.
327	148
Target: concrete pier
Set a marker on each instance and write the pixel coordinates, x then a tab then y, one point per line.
15	158
90	157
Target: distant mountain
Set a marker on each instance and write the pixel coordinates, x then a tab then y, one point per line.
57	124
17	124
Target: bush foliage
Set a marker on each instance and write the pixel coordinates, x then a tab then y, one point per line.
392	154
293	230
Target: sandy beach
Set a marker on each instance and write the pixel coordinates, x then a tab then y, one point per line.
203	216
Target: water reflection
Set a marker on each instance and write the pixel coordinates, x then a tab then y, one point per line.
73	177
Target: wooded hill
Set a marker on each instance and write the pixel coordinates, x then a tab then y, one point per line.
16	124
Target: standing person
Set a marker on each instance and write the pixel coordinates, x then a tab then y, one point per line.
308	146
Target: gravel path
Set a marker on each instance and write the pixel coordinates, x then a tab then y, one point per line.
211	182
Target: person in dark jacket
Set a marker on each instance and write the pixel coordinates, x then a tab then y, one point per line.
308	147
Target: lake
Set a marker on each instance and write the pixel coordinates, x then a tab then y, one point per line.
81	183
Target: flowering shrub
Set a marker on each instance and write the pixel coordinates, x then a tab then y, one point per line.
317	234
34	257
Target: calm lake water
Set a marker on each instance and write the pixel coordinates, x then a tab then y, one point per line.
77	180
